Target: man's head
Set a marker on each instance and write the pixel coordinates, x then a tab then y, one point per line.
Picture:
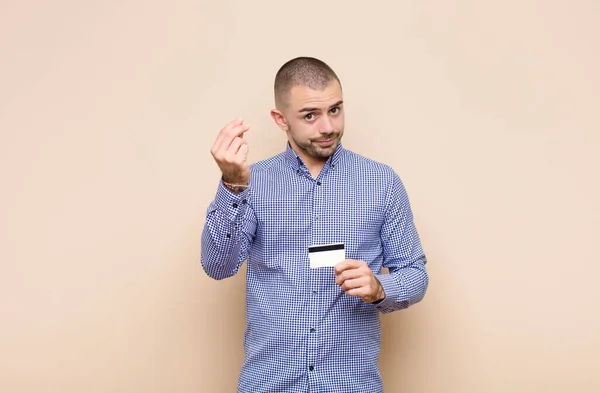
309	107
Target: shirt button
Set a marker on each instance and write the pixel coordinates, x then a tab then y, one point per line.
235	205
318	183
312	330
311	367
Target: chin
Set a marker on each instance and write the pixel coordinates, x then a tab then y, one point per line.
326	152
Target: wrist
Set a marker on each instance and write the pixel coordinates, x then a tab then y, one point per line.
235	187
236	178
235	181
380	293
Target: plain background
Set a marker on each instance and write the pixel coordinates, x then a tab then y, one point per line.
487	110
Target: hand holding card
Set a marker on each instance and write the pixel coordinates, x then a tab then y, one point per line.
357	279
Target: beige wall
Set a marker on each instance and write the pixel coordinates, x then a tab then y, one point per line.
488	110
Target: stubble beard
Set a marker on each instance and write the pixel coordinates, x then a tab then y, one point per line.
314	150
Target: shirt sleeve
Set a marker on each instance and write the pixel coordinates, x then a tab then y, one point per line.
403	254
228	233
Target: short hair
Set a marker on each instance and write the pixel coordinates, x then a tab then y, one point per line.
302	71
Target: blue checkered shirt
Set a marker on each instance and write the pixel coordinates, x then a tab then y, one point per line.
303	333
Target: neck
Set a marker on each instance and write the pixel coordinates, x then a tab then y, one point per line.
315	165
315	168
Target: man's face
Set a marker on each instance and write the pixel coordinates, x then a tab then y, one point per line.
315	120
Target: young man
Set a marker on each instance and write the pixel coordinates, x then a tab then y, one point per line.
312	321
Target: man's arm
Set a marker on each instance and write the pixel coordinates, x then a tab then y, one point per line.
230	222
403	254
228	232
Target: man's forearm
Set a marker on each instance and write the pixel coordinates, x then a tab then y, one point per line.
221	249
227	234
403	287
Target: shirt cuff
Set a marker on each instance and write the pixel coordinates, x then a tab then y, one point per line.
231	204
391	292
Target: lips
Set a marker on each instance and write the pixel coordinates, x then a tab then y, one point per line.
326	143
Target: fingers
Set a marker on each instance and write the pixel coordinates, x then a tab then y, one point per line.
224	130
354	283
243	152
235	145
349	274
235	154
346	265
230	151
357	279
233	130
350	268
361	292
362	287
367	288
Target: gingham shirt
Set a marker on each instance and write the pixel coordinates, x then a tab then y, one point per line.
303	333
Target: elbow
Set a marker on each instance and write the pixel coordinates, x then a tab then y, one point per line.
215	274
421	288
214	269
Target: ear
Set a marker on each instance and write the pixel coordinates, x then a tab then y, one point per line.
279	119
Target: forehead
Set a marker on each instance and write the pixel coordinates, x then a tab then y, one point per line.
304	96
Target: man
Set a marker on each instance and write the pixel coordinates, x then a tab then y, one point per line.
310	328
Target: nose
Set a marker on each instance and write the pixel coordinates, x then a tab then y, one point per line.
326	126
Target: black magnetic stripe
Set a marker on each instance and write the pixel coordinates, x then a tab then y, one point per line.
329	247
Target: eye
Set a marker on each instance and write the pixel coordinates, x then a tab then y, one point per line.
335	110
309	117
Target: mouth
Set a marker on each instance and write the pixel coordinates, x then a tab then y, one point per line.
326	143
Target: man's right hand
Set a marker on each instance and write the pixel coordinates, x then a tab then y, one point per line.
230	151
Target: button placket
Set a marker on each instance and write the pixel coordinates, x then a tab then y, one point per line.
312	320
312	327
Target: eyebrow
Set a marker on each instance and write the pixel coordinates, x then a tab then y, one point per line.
318	109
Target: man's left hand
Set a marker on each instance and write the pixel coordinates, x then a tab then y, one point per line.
357	279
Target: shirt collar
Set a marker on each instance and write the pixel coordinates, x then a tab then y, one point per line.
296	162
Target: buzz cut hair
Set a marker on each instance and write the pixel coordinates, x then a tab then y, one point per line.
302	71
